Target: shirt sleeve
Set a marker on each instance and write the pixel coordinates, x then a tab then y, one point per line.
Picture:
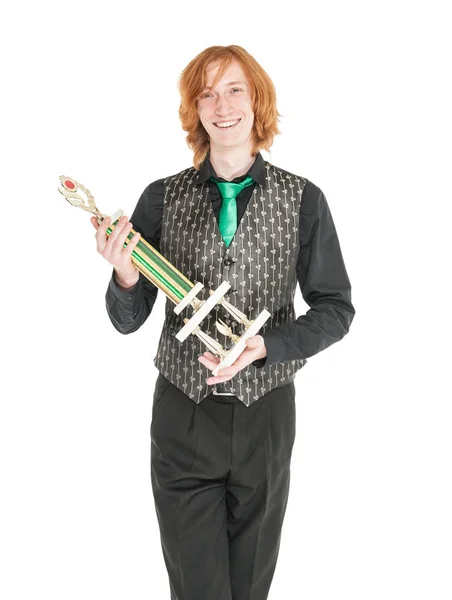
129	308
324	285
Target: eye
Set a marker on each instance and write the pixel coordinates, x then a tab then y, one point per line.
236	90
206	95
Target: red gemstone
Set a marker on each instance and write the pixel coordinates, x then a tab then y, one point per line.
69	184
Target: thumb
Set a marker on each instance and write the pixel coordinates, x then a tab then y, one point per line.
252	342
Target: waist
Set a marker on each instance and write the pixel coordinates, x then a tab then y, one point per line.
219	393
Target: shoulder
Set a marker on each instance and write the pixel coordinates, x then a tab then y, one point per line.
283	174
186	174
158	186
153	195
150	203
154	188
312	199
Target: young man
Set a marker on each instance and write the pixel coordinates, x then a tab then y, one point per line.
221	446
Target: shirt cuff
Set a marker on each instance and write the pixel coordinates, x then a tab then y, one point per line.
275	351
274	346
119	292
259	363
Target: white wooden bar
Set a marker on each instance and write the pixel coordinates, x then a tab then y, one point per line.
203	311
240	346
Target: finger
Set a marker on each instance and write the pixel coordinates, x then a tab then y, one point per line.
228	371
94	223
122	237
210	364
104	225
245	359
117	230
115	246
215	380
211	356
131	245
255	341
101	241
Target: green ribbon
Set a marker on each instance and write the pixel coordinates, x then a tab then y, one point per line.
228	212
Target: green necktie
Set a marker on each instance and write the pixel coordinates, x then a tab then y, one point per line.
228	212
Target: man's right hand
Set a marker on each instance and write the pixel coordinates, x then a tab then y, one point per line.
112	249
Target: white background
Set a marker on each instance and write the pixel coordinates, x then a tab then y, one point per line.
90	91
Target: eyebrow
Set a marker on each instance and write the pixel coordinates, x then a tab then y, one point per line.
230	83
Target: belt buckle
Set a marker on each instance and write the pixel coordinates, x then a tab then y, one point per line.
215	393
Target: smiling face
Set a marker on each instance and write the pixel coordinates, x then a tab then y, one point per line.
226	110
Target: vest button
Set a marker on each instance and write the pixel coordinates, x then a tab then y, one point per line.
227	262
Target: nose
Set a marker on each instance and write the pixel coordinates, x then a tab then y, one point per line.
223	106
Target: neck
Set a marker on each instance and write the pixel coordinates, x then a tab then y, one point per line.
232	162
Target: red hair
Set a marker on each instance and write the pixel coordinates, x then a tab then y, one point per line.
263	98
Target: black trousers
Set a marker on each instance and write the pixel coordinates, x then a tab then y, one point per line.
220	477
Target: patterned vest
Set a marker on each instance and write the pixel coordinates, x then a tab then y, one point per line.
260	264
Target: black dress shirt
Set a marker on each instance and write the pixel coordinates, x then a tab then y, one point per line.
321	271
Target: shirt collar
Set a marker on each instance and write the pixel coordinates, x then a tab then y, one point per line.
257	171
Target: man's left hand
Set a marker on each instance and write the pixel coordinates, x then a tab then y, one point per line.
254	351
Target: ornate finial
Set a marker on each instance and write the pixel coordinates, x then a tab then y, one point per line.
70	190
225	330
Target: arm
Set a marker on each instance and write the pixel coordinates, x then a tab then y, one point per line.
324	285
128	306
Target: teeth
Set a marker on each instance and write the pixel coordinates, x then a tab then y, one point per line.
227	123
